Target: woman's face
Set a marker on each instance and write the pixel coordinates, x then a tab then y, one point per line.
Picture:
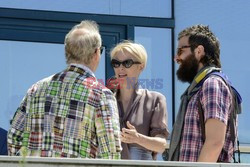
127	68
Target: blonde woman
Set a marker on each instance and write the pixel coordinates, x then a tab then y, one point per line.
143	113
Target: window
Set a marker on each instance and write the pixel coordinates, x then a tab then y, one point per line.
158	73
151	8
22	64
43	51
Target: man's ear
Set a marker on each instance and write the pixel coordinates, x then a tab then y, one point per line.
199	52
95	56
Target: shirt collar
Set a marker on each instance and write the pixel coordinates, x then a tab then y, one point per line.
85	68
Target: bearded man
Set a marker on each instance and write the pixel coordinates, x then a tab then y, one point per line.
198	55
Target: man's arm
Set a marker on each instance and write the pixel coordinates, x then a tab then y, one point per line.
216	102
108	127
15	134
215	138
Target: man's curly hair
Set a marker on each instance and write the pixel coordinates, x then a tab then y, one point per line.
202	35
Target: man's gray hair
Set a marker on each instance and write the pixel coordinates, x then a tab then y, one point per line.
82	42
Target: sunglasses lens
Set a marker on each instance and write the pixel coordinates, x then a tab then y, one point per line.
115	63
178	51
127	63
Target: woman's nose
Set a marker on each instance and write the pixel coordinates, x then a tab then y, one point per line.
121	67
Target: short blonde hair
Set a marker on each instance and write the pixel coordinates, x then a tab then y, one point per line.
135	49
81	42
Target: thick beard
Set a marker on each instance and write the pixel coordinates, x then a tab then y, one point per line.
188	69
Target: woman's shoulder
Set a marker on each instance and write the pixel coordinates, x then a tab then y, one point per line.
154	94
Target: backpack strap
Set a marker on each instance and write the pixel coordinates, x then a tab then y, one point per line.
202	122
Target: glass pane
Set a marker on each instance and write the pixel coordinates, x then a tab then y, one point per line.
149	8
158	72
244	157
24	63
227	18
100	71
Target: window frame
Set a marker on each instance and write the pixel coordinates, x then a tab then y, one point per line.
52	26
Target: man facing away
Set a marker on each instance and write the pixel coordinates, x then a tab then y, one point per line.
64	115
198	55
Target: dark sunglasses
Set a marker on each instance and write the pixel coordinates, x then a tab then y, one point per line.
101	49
179	50
126	63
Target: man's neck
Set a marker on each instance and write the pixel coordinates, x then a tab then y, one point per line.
200	67
89	66
85	67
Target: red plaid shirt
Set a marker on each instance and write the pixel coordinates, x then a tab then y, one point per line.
215	99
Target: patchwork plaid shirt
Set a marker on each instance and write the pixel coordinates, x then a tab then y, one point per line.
69	114
216	100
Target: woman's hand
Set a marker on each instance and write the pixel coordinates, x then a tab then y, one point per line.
129	135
